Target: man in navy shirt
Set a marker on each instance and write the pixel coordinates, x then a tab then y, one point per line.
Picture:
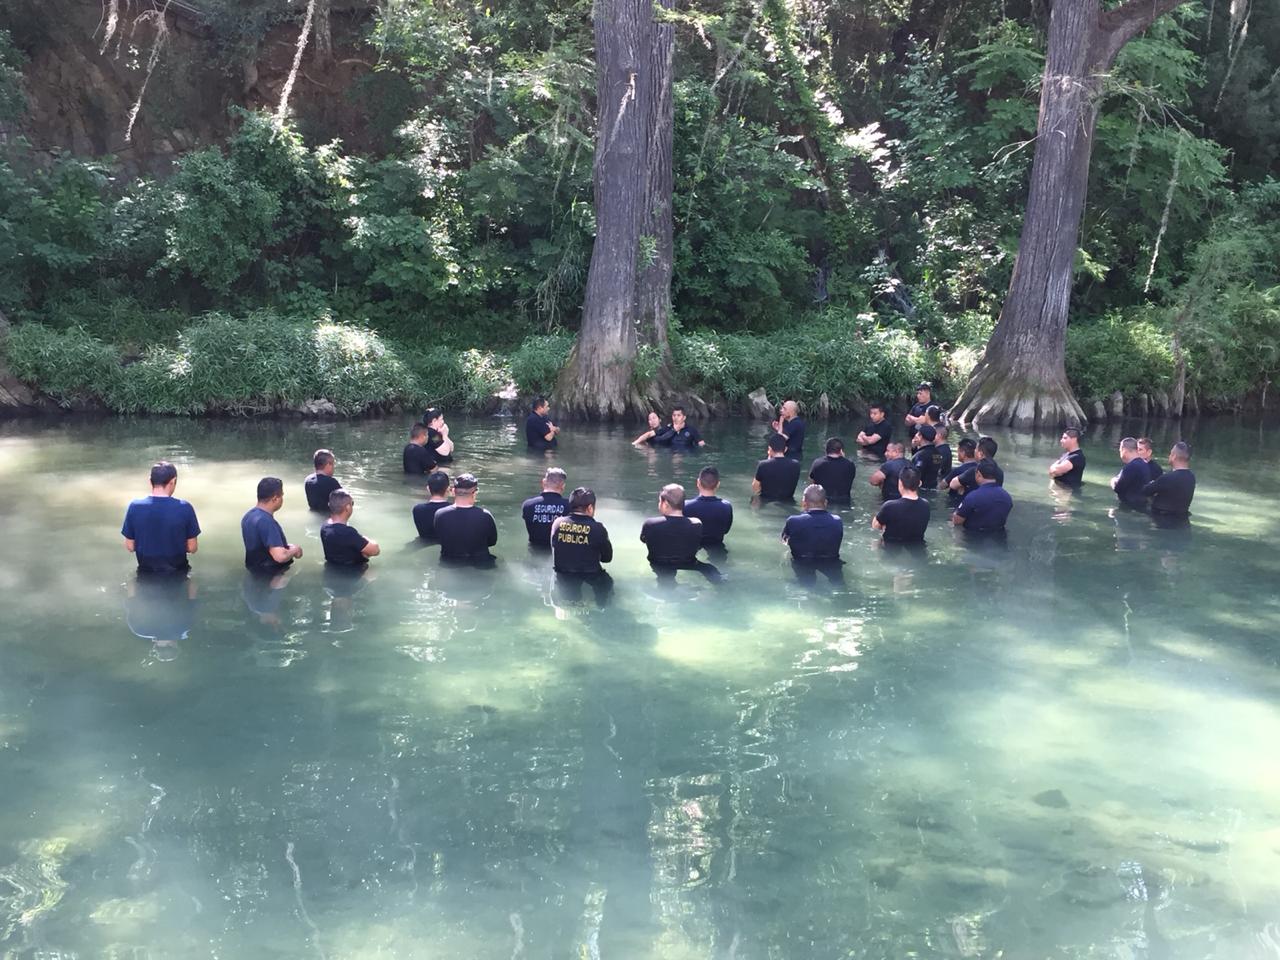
985	508
875	436
418	460
776	475
966	454
342	542
1069	468
791	425
816	533
715	513
540	512
320	484
1133	476
905	518
465	531
886	478
579	542
160	530
672	538
834	472
926	459
682	435
1171	491
265	548
539	431
424	514
1147	453
916	415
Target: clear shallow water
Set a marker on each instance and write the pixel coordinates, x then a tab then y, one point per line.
1061	748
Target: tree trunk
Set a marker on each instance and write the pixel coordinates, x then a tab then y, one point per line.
1022	379
323	55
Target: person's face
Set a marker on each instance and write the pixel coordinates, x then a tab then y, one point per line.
1127	455
1144	452
654	421
877	415
677	419
542	410
437	423
276	502
923	396
1065	442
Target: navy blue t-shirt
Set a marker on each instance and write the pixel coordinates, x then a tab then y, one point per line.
160	528
793	430
835	475
778	477
342	544
539	513
417	460
944	463
1154	469
536	428
904	519
683	439
969	476
424	517
814	535
1171	493
1134	476
716	515
318	486
917	410
985	508
260	532
465	533
889	485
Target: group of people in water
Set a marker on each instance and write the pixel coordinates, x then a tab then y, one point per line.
162	530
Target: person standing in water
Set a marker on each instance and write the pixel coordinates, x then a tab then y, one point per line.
1171	492
655	435
874	437
320	484
672	538
160	530
438	440
1133	476
792	426
777	475
905	518
817	533
1069	468
424	514
580	542
539	431
540	512
714	512
417	459
266	550
465	531
834	472
343	544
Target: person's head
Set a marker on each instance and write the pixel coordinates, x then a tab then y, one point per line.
671	499
464	488
678	418
1128	449
340	505
927	435
966	449
418	433
434	418
924	393
777	445
1180	455
1070	439
987	471
554	480
987	448
270	493
933	414
940	434
540	405
655	421
583	500
876	412
894	450
835	447
909	482
1145	449
164	476
438	483
323	461
708	480
815	497
790	409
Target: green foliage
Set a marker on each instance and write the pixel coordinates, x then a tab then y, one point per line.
536	363
1129	354
70	366
11	61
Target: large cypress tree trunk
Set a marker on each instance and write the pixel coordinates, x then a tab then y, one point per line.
1021	379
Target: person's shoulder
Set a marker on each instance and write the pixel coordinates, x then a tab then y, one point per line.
531	501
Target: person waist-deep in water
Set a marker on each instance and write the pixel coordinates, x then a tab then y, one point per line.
417	458
792	426
905	518
672	538
817	533
160	530
1068	469
579	542
438	440
777	475
322	482
985	508
926	458
343	544
464	530
886	476
540	512
1172	491
1133	477
714	512
967	479
266	549
539	431
875	435
834	472
424	514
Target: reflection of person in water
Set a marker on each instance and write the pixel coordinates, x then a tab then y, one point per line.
342	582
160	608
263	594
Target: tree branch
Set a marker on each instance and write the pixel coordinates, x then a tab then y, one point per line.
1119	25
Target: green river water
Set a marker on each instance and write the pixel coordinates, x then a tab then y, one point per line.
1063	746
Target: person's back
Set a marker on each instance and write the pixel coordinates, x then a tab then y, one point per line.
417	458
714	512
905	518
926	459
891	469
1171	492
985	508
343	544
834	472
266	549
160	529
424	514
672	538
817	533
465	531
317	487
541	512
778	475
579	542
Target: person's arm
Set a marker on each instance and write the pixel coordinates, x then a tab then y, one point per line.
869	439
552	430
956	485
1059	467
370	549
697	437
192	546
644	537
445	447
648	434
127	531
876	522
961	514
786	537
606	548
755	485
284	554
729	522
1153	487
493	529
132	545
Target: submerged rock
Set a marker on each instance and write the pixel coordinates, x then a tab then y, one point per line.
1055	799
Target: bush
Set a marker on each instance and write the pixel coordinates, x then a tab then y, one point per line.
1129	354
537	362
70	366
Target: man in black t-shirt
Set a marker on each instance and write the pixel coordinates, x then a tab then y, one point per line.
792	426
905	518
834	472
682	435
540	433
815	534
418	460
941	433
886	478
579	542
966	455
776	475
342	542
1147	452
438	440
320	484
926	459
967	479
715	513
424	514
1171	492
465	531
540	512
875	436
916	415
1069	468
672	538
1133	476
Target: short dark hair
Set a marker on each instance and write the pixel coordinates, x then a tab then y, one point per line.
967	445
322	458
835	445
438	481
269	487
988	446
1145	442
987	468
680	408
926	430
1181	451
465	481
431	414
162	473
940	432
924	385
555	476
539	402
909	478
417	430
709	477
815	494
933	412
894	445
1128	443
878	406
673	496
778	443
339	500
1071	432
581	498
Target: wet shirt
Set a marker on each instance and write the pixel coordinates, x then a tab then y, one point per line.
579	544
434	439
417	460
814	535
778	477
1154	469
465	533
424	517
661	436
928	461
891	470
917	410
1171	492
716	515
682	439
835	475
882	430
160	528
1076	476
793	430
318	486
1133	478
342	544
536	428
261	532
539	513
672	541
944	465
904	520
985	508
969	478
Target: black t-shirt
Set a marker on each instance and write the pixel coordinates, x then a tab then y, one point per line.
672	541
928	461
778	477
540	512
883	430
716	515
835	475
260	532
424	517
1133	478
661	436
682	439
944	453
1076	476
465	533
889	485
793	430
342	544
417	460
904	520
318	486
814	535
1154	469
579	544
969	477
536	428
917	410
1171	492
